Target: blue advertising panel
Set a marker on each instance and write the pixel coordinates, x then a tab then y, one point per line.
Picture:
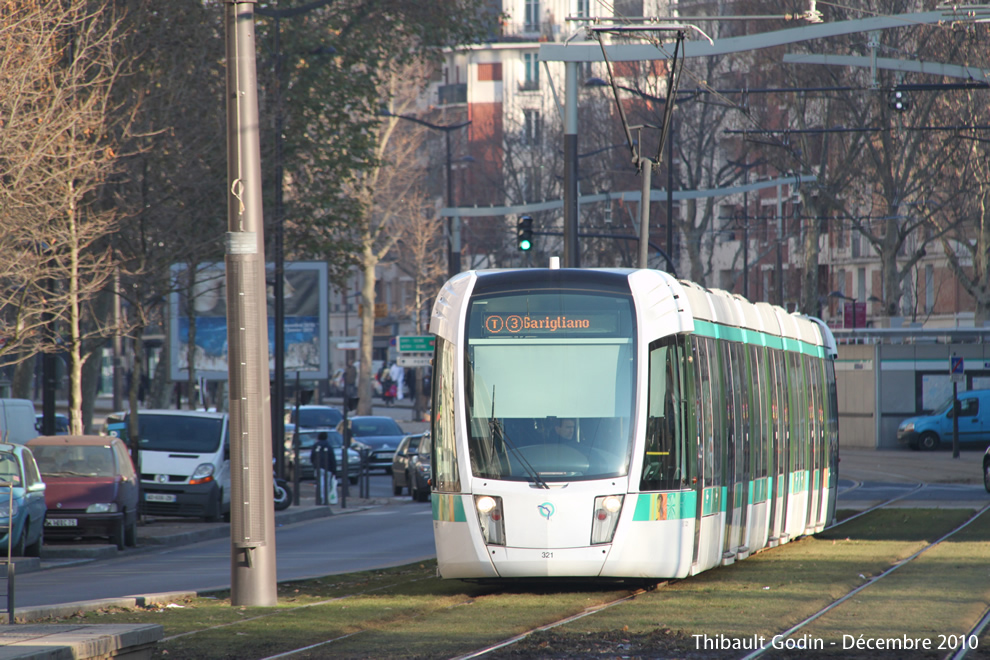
306	331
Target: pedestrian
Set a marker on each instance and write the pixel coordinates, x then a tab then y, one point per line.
350	387
324	468
398	375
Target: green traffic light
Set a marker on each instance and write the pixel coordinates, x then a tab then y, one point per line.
525	244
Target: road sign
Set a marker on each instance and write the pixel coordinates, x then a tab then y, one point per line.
414	359
956	365
415	343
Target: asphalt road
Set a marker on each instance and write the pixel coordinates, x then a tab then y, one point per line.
388	531
396	533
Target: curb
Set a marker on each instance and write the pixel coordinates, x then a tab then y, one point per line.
38	613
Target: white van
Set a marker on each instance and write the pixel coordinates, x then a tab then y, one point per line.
17	421
184	462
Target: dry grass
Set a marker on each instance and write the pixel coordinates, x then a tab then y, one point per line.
408	613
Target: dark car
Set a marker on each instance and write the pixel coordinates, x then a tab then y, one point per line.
314	416
378	436
61	423
411	467
307	439
92	489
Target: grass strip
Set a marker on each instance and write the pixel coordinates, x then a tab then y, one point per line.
407	613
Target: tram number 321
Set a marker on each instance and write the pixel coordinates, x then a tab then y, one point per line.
548	555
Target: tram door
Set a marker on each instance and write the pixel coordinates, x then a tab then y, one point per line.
733	466
817	444
781	449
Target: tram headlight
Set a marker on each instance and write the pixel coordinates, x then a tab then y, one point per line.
606	516
490	516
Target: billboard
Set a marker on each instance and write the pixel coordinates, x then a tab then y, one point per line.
305	327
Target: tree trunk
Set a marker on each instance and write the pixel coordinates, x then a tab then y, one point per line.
365	390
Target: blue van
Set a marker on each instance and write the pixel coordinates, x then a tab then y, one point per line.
929	431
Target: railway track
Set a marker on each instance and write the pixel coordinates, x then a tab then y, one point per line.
337	643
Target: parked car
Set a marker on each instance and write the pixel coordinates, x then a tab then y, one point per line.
184	461
61	423
986	470
17	421
411	467
92	489
314	416
378	436
929	431
22	502
307	439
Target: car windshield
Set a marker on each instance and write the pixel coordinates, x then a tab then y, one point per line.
312	418
74	461
308	438
179	433
10	470
375	426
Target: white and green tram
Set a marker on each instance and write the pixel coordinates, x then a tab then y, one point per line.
704	426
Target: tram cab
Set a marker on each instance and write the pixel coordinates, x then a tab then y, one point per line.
601	423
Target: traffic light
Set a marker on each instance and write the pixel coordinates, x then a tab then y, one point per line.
524	233
898	101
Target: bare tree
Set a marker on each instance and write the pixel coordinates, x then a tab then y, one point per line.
60	152
389	192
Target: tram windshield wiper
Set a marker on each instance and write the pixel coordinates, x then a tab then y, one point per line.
497	431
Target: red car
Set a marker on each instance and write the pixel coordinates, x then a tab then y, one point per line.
92	489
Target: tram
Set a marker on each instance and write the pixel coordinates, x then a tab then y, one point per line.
623	424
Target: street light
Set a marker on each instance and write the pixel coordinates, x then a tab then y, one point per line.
852	305
453	246
278	222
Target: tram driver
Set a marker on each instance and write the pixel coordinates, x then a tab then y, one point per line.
564	431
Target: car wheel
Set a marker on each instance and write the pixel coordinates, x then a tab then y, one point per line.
130	532
34	550
396	489
214	511
18	549
928	441
117	535
986	475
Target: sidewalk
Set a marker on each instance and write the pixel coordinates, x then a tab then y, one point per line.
905	465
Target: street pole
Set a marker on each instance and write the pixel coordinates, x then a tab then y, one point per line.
670	192
572	256
278	396
646	167
453	228
252	514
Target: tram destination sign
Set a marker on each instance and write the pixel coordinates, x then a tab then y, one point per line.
596	323
414	343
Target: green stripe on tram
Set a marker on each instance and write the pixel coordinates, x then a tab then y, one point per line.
749	336
448	507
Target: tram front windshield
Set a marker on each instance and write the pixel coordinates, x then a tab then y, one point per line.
550	385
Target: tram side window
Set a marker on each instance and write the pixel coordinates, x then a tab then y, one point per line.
663	467
713	408
445	474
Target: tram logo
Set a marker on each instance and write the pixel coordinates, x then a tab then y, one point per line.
546	510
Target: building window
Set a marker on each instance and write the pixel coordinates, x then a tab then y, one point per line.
531	71
531	128
532	16
628	8
581	8
929	288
